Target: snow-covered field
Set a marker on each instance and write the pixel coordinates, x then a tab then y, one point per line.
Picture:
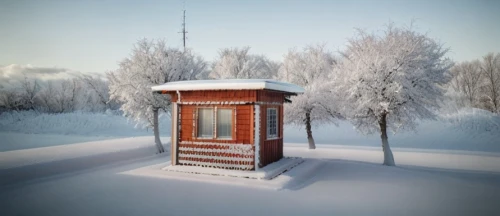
19	158
23	130
444	169
470	130
350	181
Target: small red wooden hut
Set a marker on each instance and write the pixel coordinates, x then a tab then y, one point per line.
231	124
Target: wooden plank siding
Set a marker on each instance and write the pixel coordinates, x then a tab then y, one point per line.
271	150
267	96
196	151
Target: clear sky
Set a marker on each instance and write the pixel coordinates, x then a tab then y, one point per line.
93	35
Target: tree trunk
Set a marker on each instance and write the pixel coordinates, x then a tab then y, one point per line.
388	157
310	138
494	98
159	146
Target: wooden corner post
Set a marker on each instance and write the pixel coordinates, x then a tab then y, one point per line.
175	134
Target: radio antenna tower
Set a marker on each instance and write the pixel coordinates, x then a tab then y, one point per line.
184	26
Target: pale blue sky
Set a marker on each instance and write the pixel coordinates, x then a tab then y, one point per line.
92	36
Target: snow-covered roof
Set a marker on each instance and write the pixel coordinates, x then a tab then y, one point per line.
230	84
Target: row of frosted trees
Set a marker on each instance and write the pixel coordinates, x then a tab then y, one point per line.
85	93
379	82
477	83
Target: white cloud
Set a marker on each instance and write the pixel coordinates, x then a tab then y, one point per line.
10	75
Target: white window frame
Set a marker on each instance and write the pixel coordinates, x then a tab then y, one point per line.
214	123
268	123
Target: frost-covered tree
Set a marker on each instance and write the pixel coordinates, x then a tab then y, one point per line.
97	94
151	63
30	89
388	81
10	99
476	83
490	71
309	68
45	98
85	93
467	81
237	63
68	96
20	96
60	96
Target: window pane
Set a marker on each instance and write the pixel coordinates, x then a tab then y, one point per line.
224	123
272	123
205	122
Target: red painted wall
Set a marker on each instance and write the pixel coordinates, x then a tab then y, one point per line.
243	126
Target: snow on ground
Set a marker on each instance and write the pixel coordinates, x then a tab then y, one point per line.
22	130
463	161
294	174
434	176
268	172
15	141
18	158
467	129
287	174
350	181
28	164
